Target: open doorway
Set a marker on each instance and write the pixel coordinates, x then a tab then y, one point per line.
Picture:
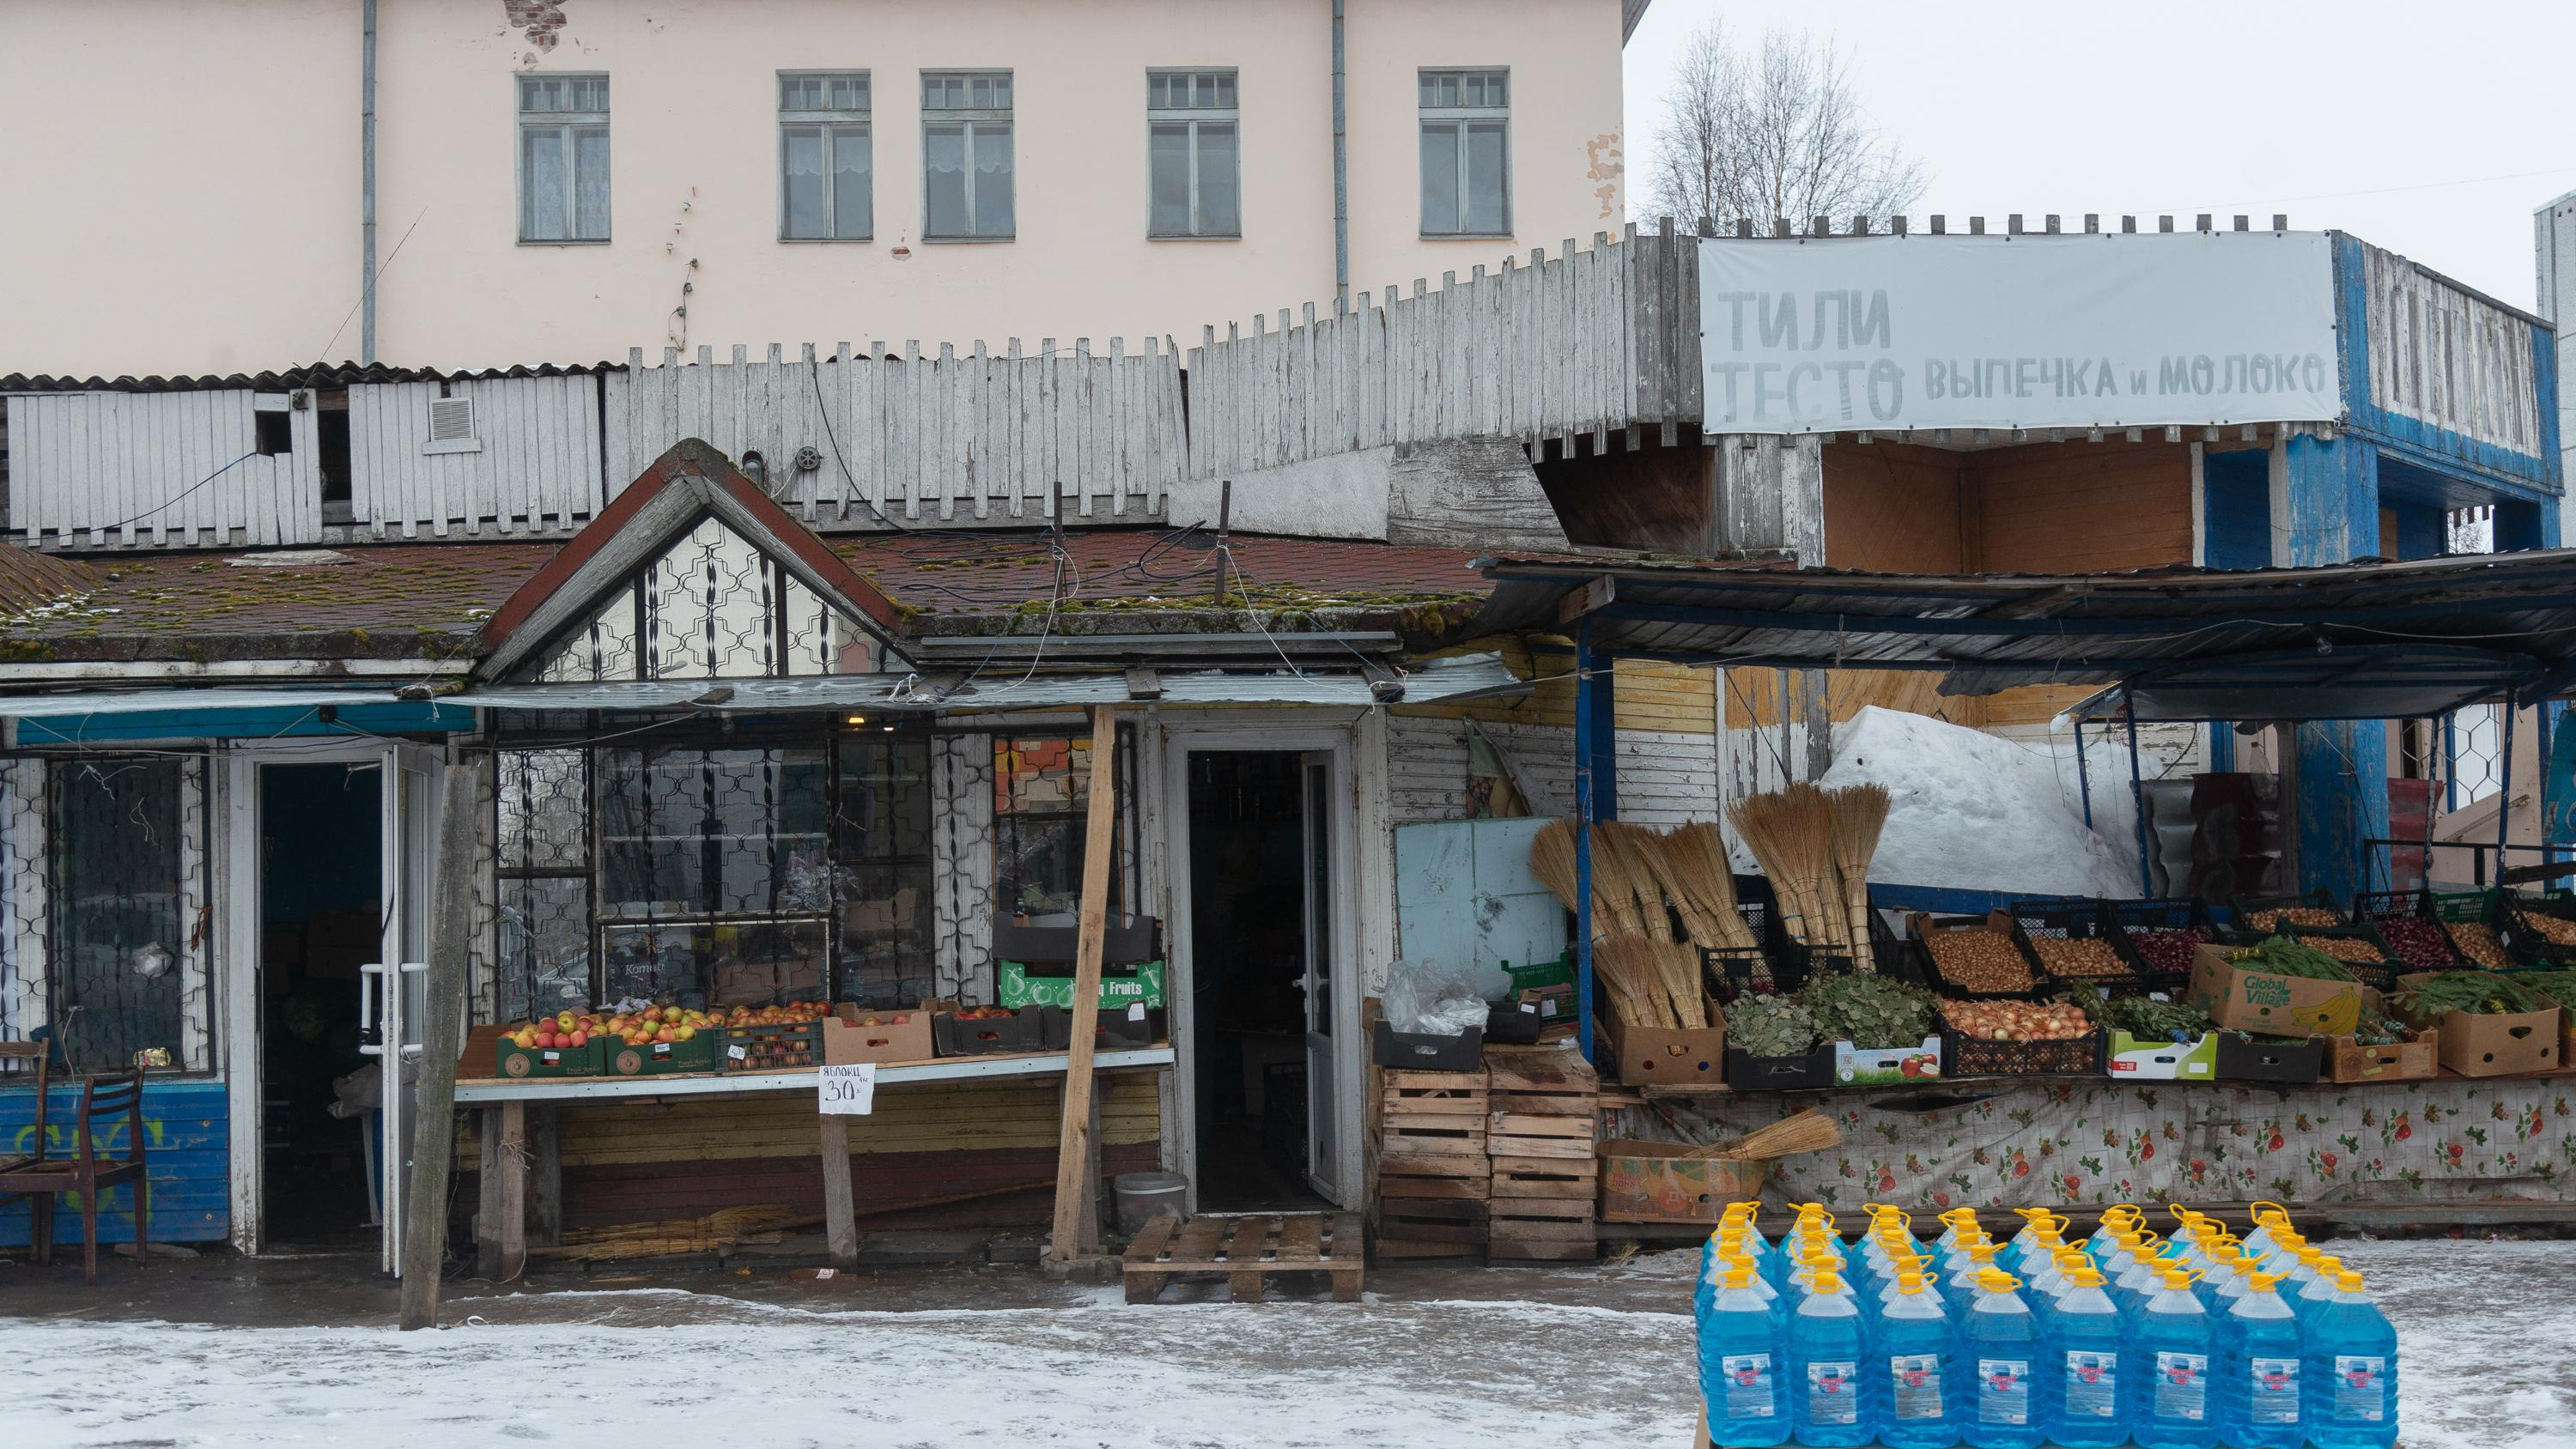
321	882
1260	897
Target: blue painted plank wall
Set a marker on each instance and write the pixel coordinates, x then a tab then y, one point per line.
187	1173
354	721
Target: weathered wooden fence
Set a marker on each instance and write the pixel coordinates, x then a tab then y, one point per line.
973	436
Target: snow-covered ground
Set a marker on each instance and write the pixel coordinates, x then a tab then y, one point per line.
2488	1342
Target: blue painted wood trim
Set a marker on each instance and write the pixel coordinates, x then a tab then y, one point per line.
232	724
1584	725
187	1163
2424	443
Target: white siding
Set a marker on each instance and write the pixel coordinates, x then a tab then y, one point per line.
127	469
537	469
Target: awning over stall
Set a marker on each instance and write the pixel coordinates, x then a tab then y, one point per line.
72	705
2348	641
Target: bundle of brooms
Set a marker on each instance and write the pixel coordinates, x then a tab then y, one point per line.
1815	845
1641	879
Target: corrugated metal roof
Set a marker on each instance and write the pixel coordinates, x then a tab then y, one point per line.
320	374
1995	631
1475	674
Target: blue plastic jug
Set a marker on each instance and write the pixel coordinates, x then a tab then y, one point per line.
2351	1370
2261	1349
2171	1353
1739	1365
1916	1408
2081	1406
1999	1359
1825	1343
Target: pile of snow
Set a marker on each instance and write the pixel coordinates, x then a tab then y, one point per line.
1980	812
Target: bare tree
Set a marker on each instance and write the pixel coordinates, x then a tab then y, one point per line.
1773	132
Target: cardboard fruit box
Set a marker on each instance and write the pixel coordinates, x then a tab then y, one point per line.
2414	1059
702	1052
516	1062
1887	1066
2270	1004
2134	1060
1018	987
1657	1182
855	1034
1664	1055
2501	1044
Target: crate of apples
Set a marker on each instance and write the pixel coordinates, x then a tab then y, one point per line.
566	1044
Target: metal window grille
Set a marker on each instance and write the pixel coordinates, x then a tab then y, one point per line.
967	165
120	927
1466	153
1193	154
793	868
563	158
1041	793
825	157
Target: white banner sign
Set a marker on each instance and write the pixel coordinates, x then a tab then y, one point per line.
847	1091
1885	334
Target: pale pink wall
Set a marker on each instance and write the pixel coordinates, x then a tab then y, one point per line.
258	264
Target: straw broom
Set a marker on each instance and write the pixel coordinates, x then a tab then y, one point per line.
1791	833
1814	809
1662	861
1697	853
1552	861
1807	1131
1860	813
1632	867
1626	965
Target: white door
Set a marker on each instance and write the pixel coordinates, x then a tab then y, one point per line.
1322	1116
393	996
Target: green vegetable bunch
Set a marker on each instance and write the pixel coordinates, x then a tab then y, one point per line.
2282	956
1771	1026
2558	986
2480	993
2378	1028
2150	1020
1867	1010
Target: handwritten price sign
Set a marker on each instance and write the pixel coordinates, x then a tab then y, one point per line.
847	1091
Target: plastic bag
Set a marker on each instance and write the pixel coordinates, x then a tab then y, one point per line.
1432	1000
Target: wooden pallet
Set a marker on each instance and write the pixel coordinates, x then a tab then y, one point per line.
1429	1220
1244	1250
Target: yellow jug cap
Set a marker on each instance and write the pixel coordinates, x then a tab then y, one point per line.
1996	1280
1911	1281
2348	1282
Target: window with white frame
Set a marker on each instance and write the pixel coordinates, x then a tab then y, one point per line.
563	158
966	155
1466	153
1192	154
824	156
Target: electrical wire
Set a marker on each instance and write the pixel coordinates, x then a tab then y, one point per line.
814	374
183	493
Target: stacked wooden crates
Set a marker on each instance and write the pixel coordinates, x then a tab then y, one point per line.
1544	1110
1432	1168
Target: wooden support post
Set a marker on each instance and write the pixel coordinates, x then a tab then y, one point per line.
545	1175
1077	1178
424	1239
840	1213
511	1245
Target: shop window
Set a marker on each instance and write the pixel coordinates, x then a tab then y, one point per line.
1041	792
715	873
881	848
541	863
119	929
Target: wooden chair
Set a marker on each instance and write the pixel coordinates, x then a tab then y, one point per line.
40	1073
91	1172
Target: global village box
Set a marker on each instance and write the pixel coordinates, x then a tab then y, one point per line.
2247	999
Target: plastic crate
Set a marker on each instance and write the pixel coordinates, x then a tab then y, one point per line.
771	1047
2243	1058
2247	906
1746	1072
1540	975
2074	919
2379	976
2524	939
2415	936
1970	1056
1920	926
2191	919
2486	911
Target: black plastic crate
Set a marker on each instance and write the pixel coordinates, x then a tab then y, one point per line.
2415	936
2074	919
2190	923
2525	940
2243	1058
1971	1056
1421	1052
1746	1072
1119	1028
983	1036
2490	921
2378	976
1917	927
2248	906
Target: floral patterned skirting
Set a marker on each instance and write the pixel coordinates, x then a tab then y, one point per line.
2061	1144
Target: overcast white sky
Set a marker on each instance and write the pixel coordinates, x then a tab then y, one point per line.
2433	129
